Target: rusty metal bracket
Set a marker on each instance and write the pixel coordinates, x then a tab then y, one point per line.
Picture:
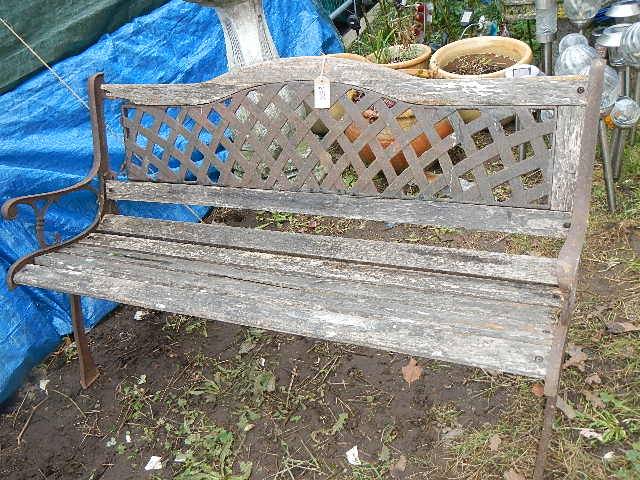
40	203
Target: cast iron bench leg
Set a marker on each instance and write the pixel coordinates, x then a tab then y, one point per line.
88	370
545	437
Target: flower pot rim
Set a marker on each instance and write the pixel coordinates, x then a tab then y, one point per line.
422	58
475	43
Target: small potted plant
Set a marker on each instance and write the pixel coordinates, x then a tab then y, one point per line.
390	39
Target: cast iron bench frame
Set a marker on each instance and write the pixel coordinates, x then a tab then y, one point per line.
279	94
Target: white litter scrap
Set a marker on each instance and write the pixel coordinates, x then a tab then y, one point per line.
140	314
127	437
607	457
154	463
591	434
352	456
43	384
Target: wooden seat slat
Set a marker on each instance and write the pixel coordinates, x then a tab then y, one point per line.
523	268
410	329
258	265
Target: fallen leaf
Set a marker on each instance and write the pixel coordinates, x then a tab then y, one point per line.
411	371
538	389
352	456
594	399
590	434
398	468
622	327
593	379
565	408
576	357
494	442
513	475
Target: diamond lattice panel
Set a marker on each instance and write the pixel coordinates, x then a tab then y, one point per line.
271	137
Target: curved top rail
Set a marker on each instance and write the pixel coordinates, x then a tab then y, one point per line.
536	91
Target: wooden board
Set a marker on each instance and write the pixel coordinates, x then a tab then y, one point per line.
256	305
539	270
536	91
417	212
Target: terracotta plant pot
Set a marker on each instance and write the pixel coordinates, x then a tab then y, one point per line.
419	62
419	144
514	49
350	56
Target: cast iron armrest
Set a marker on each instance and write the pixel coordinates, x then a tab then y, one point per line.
569	257
40	203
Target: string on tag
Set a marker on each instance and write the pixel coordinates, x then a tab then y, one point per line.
322	88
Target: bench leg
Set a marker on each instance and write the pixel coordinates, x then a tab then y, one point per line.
545	438
88	370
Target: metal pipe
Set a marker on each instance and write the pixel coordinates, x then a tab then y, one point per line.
548	58
636	97
606	164
618	150
627	81
333	15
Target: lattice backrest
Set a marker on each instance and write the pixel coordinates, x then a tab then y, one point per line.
386	134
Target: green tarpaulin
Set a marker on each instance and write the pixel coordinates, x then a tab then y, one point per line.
57	29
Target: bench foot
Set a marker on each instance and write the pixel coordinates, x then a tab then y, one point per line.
88	370
545	437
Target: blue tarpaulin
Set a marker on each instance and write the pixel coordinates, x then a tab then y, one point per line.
46	144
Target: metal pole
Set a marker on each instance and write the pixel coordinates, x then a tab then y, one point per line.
548	58
606	163
627	81
333	15
618	150
636	97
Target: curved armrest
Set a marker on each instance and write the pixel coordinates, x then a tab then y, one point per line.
9	208
40	203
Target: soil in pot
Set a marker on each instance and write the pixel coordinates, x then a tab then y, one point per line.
479	64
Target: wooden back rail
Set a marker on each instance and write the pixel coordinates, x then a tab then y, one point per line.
391	148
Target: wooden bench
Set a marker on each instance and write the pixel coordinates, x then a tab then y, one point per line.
253	140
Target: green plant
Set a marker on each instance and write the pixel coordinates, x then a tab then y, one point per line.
393	25
631	471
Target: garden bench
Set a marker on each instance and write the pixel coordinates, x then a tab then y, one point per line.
252	139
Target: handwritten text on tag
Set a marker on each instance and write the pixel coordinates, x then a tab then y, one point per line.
322	92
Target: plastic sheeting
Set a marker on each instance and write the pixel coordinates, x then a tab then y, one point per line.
57	29
45	144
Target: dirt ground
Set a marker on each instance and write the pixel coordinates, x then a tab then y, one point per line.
218	401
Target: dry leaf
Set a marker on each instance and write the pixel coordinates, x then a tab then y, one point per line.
513	475
494	442
538	389
411	371
576	357
565	408
594	399
398	468
622	327
593	379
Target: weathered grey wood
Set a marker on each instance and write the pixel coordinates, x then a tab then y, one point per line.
395	333
567	155
417	257
536	91
527	323
256	266
417	212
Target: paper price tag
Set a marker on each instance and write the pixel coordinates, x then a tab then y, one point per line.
322	92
